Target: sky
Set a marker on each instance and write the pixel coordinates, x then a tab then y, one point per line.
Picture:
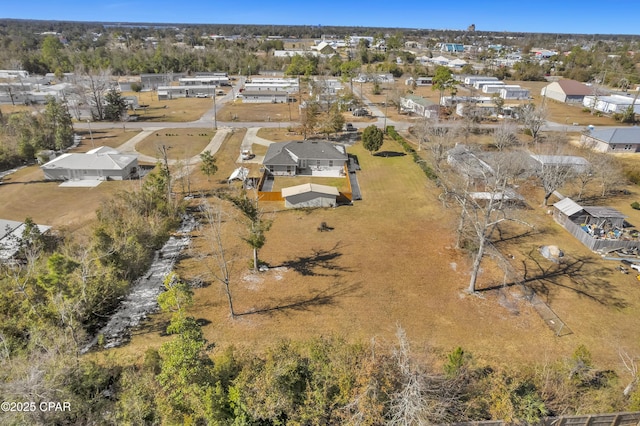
560	16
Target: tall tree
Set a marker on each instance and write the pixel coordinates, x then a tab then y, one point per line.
115	106
443	80
372	138
257	224
208	164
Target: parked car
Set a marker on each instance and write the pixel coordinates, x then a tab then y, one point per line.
360	112
201	95
246	154
349	128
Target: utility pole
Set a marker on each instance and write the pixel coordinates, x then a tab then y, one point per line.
90	133
215	113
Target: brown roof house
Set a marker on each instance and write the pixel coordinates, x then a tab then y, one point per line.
567	91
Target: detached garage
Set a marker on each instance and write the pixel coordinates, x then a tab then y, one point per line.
310	195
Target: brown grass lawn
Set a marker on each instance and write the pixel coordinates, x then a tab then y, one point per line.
389	261
103	137
239	111
182	143
564	113
173	110
278	135
25	194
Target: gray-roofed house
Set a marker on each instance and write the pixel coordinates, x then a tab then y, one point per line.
11	231
420	106
310	157
578	164
613	139
597	227
568	91
98	164
310	195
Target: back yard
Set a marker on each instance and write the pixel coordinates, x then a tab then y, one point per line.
389	260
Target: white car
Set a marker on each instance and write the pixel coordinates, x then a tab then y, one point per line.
201	95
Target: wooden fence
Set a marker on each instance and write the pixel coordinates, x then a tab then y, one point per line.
596	244
614	419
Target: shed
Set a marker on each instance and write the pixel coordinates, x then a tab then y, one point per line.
309	195
569	91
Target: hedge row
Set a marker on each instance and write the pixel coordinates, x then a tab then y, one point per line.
391	131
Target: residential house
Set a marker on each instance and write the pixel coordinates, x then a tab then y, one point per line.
612	104
567	91
310	195
265	97
310	157
11	232
101	163
452	47
613	139
422	107
578	164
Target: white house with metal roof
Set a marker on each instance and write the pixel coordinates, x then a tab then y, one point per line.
101	163
613	139
612	104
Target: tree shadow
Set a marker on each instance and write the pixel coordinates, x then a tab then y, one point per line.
326	297
389	154
580	275
321	263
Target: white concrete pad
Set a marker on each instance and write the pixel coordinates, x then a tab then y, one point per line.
81	183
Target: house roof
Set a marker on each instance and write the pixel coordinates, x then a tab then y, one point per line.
288	153
621	135
309	187
94	161
604	212
11	232
572	87
568	207
567	160
420	100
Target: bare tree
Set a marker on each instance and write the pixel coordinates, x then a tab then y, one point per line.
422	397
607	172
482	212
437	137
554	175
631	366
93	85
220	269
533	118
504	136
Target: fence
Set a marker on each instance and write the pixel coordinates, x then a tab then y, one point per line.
597	244
613	419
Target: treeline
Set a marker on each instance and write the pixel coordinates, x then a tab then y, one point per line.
24	134
127	50
62	288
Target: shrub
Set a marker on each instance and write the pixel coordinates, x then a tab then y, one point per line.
635	205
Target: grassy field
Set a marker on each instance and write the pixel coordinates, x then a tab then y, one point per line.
26	194
182	143
172	110
103	137
243	112
389	260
